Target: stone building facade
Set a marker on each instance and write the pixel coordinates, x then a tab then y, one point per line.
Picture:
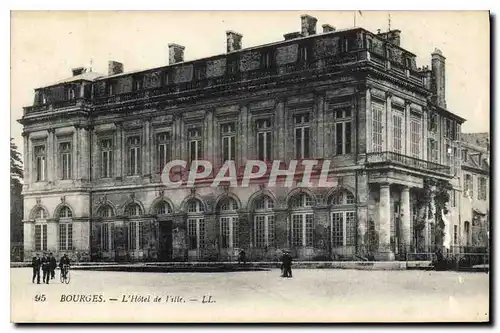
95	146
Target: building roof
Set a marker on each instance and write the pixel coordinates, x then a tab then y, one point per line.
86	76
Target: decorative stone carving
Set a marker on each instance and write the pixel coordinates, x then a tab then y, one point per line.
38	200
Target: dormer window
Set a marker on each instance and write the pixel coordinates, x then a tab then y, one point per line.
266	59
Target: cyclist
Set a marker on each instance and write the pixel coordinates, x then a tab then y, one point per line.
64	263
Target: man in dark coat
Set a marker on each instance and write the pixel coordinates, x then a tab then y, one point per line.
62	263
46	268
35	263
53	265
286	262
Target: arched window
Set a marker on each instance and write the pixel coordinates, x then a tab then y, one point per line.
105	211
107	228
301	200
135	228
302	226
343	219
39	214
343	197
65	212
163	208
228	222
195	224
264	225
133	209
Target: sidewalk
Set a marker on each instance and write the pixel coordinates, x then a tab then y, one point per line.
249	266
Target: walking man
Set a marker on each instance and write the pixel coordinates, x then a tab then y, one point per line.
53	265
46	268
35	263
286	260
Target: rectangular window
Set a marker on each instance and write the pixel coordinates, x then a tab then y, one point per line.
271	231
38	237
302	136
303	54
106	158
228	134
105	237
134	155
163	150
309	225
65	160
297	227
377	127
65	236
194	144
192	234
338	229
40	163
266	59
468	186
448	153
343	228
415	135
224	232
343	133
433	122
397	132
455	234
132	236
264	142
260	231
482	189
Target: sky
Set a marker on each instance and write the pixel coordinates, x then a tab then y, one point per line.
45	45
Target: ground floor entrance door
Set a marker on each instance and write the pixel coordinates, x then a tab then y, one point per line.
165	241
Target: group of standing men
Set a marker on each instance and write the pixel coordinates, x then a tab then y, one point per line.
48	265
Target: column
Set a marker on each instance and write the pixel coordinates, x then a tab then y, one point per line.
51	166
85	154
242	137
385	252
75	174
146	147
282	227
320	130
369	135
152	151
211	250
179	237
405	218
280	139
389	139
118	152
26	158
245	230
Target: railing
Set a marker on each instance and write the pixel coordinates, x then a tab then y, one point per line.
54	105
321	65
407	161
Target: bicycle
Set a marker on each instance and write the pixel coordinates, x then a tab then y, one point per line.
65	276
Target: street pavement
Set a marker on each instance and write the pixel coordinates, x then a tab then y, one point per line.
327	295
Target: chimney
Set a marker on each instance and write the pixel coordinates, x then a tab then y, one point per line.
292	35
78	70
438	78
328	28
427	77
308	24
175	53
114	67
233	41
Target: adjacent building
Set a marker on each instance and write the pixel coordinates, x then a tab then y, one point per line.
95	146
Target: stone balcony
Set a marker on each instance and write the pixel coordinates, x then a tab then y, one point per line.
389	158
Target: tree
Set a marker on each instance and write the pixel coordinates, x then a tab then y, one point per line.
16	202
